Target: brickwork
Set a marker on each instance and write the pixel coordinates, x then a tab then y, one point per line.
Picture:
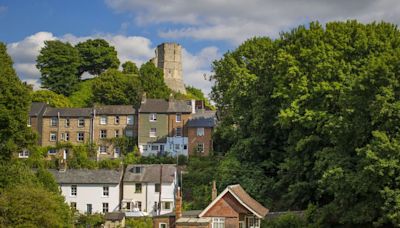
173	124
194	140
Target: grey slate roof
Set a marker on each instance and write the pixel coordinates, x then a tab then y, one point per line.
114	216
164	106
68	112
36	108
115	110
202	119
87	176
150	173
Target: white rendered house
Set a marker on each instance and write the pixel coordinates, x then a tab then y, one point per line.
143	189
90	191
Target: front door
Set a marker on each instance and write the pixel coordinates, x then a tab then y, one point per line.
161	149
65	154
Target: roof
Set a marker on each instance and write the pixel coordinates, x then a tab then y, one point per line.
243	198
194	221
150	173
36	108
114	216
68	112
115	110
191	213
202	119
87	176
165	106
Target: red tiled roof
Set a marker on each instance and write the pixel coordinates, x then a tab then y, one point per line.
240	193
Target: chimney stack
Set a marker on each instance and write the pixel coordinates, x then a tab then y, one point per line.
178	204
214	191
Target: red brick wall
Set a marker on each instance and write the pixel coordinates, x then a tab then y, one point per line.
206	139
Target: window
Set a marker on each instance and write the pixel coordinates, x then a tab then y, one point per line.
157	188
178	117
81	122
154	147
166	205
54	121
89	208
103	134
67	122
137	169
200	147
80	136
74	190
52	151
144	147
129	120
153	117
162	225
105	207
138	188
129	133
116	133
200	131
117	152
253	222
153	132
65	136
185	147
116	120
73	205
53	136
139	205
103	120
106	191
178	132
128	206
218	223
177	146
103	149
23	154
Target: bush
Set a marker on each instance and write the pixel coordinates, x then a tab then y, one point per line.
145	222
288	220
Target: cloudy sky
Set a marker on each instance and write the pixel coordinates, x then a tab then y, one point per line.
205	28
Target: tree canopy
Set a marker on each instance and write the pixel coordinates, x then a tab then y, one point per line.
315	115
97	56
130	67
14	105
152	81
58	63
52	98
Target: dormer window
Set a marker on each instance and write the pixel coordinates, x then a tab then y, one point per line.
137	169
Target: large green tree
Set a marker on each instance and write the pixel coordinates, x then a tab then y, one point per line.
14	106
130	67
97	56
58	63
115	88
152	81
316	113
52	98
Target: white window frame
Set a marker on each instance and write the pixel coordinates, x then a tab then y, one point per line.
23	154
155	147
105	207
117	151
178	117
200	131
180	132
116	133
163	205
153	134
83	136
117	120
72	205
81	122
74	190
141	188
106	191
218	222
103	134
197	148
67	122
153	117
54	121
52	151
102	149
53	136
103	120
130	120
255	222
162	225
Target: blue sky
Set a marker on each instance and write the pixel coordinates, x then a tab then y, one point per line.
205	28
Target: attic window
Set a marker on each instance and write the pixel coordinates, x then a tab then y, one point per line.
137	169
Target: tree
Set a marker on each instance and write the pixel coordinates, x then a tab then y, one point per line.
58	63
52	98
14	106
152	81
115	88
27	206
97	56
129	67
317	111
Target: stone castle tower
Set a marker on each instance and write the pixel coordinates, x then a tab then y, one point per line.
169	59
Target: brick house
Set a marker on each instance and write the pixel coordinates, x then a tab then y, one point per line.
233	208
200	129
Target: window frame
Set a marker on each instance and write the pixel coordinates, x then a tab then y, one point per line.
153	117
178	120
157	190
72	205
54	121
24	154
67	122
117	120
116	133
52	151
105	207
180	132
106	191
218	222
198	146
153	134
130	120
53	139
103	134
162	225
73	190
163	205
136	188
200	131
78	136
103	149
103	120
81	122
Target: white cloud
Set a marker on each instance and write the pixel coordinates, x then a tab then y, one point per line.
133	48
237	20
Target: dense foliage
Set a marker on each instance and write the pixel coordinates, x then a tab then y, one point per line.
152	81
51	98
14	104
311	120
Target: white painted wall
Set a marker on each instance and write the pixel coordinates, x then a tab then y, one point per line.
92	194
170	146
